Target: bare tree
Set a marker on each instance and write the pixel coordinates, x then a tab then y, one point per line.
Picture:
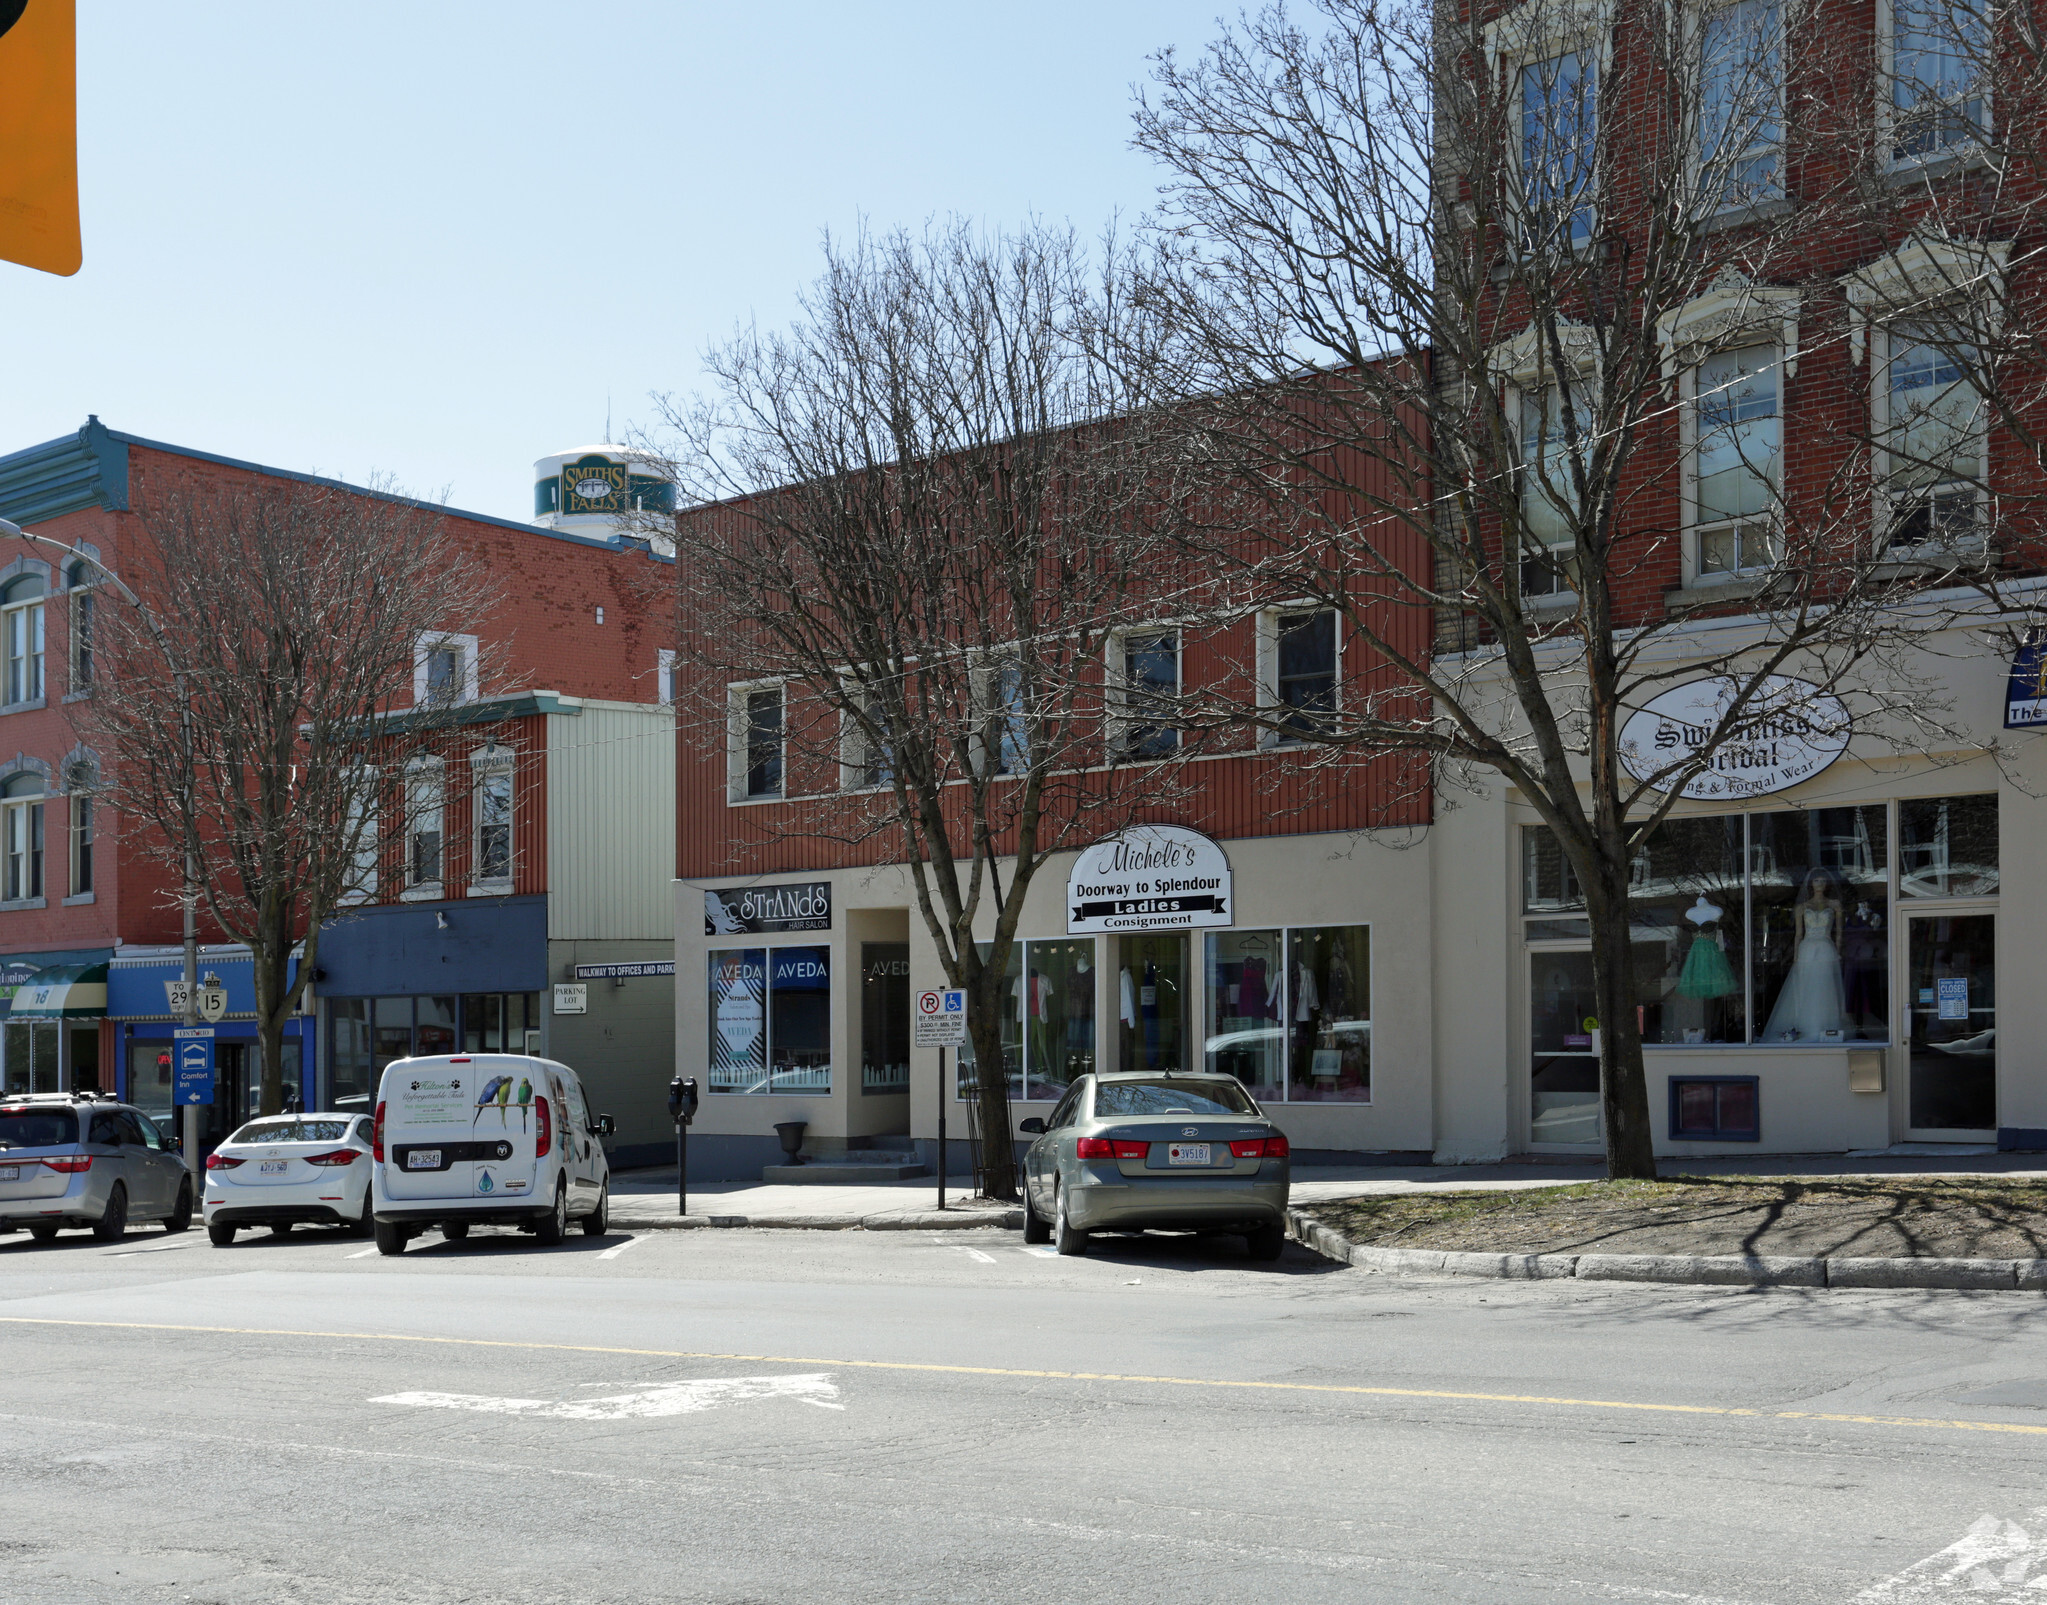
253	702
931	504
1494	314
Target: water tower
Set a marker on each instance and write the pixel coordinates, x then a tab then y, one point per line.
602	491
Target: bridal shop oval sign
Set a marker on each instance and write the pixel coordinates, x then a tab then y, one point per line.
1148	878
1788	732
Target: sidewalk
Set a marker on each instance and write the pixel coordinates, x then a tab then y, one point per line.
647	1197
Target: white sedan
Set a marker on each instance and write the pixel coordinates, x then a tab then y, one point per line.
285	1169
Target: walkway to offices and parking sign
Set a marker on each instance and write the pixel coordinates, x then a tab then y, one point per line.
940	1021
194	1065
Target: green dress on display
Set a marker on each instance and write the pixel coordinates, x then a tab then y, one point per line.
1707	974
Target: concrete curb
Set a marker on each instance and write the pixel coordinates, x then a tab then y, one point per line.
1700	1270
929	1220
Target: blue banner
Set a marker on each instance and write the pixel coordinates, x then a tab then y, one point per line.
2025	695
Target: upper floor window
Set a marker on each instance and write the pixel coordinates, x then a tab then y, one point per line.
21	836
1304	677
1555	443
1932	431
1559	128
492	812
761	755
81	575
363	820
21	623
664	675
1741	121
869	745
1151	686
79	782
1737	467
424	820
1003	740
443	670
1938	50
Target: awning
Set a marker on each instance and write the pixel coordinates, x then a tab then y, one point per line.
62	992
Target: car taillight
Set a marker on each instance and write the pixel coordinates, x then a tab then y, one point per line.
1092	1148
222	1162
1110	1148
71	1164
543	1122
1276	1148
340	1156
1259	1148
1129	1150
377	1135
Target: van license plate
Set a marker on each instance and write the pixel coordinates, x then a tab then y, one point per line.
10	1173
423	1159
274	1167
1187	1153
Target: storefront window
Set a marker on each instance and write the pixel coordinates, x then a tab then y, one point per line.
1058	1002
1012	1018
1685	905
1754	928
885	1017
771	1020
1819	926
1329	1024
1289	1012
350	1083
393	1039
1947	847
739	1021
1245	982
31	1050
1152	1003
800	1020
149	1081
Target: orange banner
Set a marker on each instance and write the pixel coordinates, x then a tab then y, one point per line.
39	134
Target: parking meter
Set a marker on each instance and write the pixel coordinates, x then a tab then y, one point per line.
682	1109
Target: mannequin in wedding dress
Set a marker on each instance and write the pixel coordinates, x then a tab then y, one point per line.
1811	1002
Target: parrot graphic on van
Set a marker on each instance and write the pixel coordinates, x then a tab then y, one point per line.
494	1092
525	1099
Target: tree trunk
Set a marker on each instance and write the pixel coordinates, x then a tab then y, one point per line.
991	1100
1623	1083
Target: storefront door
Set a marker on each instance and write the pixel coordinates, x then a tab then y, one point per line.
1154	991
1951	1016
1563	1104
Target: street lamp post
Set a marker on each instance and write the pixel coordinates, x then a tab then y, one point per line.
189	892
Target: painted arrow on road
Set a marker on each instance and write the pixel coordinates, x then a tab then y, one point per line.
656	1399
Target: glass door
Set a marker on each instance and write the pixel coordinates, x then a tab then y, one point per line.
1153	992
1563	1104
1951	1013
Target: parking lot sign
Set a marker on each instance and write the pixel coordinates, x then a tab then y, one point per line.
940	1019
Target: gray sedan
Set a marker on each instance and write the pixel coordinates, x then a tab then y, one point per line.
1127	1152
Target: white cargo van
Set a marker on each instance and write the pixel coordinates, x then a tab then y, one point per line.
496	1139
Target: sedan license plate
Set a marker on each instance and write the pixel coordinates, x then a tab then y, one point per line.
1187	1153
274	1167
10	1173
423	1159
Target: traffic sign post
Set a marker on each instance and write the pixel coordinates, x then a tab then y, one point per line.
192	1069
940	1021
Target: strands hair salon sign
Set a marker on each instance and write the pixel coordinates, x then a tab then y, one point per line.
1786	733
1148	878
803	907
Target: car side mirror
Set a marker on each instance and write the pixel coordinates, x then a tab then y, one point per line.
606	1125
1033	1126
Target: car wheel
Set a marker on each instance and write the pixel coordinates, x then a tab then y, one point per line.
180	1219
1036	1230
280	1228
112	1225
598	1221
366	1222
1268	1242
43	1234
220	1235
455	1230
553	1228
390	1237
1064	1237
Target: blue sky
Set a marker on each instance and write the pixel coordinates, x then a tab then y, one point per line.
428	238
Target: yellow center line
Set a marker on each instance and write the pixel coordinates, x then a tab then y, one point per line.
1048	1376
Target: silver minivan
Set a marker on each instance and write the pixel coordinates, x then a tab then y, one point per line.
82	1159
486	1139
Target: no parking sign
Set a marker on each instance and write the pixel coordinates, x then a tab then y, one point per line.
940	1019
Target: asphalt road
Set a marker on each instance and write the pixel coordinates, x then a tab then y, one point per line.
763	1416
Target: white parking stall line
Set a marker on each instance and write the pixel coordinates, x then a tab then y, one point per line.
975	1253
650	1399
153	1248
361	1253
613	1253
1043	1252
